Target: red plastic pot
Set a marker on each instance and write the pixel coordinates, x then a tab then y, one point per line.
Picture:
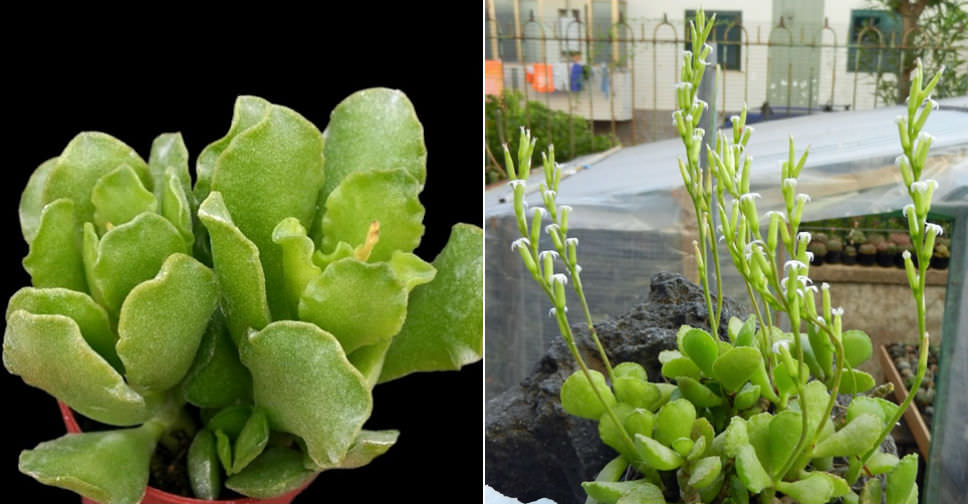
156	496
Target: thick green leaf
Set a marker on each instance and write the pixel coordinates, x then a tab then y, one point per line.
268	172
132	253
871	493
854	438
674	421
612	436
373	129
881	408
612	472
162	322
177	208
635	391
237	267
902	485
758	429
89	316
275	472
388	197
701	348
855	381
203	472
750	471
88	157
250	441
169	157
118	197
697	393
682	366
298	267
106	466
656	454
32	200
48	352
632	369
578	398
705	471
223	447
247	112
230	420
359	303
816	397
302	378
368	446
786	384
443	328
55	257
881	463
857	347
735	367
784	435
217	378
813	488
737	436
747	396
369	361
823	350
624	492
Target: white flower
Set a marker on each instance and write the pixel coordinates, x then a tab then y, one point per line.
520	243
684	85
572	241
804	236
804	280
733	118
825	286
552	312
771	213
803	197
750	129
899	120
838	311
933	103
925	137
749	196
687	54
551	227
812	288
906	254
549	194
922	186
705	105
546	253
810	256
907	208
930	226
783	343
566	208
560	278
516	182
793	263
790	183
577	268
542	211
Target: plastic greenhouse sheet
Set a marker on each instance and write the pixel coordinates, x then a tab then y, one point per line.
633	219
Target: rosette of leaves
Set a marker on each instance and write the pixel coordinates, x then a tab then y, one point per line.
305	294
732	419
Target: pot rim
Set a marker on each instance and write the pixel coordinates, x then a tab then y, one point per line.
152	493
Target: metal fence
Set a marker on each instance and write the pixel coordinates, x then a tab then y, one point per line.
629	74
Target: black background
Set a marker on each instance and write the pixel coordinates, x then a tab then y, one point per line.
135	80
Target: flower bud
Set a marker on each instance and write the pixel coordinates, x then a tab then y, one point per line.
902	132
906	173
825	299
912	274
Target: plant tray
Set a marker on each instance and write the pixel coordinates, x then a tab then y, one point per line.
912	415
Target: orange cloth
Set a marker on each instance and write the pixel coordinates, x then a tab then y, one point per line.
540	76
493	77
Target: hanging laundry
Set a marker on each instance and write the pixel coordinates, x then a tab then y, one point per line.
560	74
605	79
493	77
577	76
540	77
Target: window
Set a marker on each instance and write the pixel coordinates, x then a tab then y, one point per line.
570	29
603	31
867	56
727	33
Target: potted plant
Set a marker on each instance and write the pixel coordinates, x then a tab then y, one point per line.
248	315
886	252
835	249
743	410
850	255
940	257
866	253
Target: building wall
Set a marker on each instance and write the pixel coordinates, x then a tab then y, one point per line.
652	66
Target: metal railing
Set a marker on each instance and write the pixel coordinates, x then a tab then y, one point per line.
643	67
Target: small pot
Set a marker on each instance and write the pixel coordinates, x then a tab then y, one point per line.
156	496
940	262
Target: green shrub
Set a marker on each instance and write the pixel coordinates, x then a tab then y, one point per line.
504	116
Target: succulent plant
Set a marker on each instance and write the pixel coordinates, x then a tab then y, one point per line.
819	250
254	310
850	254
866	254
835	248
